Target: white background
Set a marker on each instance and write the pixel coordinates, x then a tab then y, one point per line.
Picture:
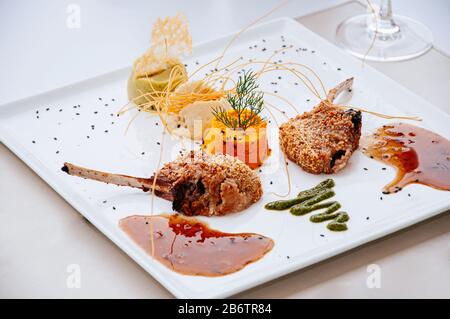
39	53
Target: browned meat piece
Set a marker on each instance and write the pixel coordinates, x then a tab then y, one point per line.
322	140
197	183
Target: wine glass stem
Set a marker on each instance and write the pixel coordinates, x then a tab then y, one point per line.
382	23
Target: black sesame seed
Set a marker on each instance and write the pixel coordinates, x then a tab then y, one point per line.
143	153
114	208
381	198
271	182
322	235
365	168
367	217
55	139
60	110
106	131
34	142
104	202
158	143
57	152
100	98
338	69
95	112
47	109
77	113
383	168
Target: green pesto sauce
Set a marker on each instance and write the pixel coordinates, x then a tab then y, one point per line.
311	200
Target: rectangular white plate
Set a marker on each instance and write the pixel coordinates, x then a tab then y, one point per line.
60	130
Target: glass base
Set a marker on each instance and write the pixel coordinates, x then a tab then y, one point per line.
410	40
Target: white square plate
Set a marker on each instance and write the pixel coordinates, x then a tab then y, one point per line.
78	124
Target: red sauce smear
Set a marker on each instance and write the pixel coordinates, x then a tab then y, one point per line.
190	247
420	156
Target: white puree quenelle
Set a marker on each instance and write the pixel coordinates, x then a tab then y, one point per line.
193	120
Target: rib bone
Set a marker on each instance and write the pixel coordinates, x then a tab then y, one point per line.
338	89
162	188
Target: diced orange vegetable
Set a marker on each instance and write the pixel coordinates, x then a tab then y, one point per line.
250	146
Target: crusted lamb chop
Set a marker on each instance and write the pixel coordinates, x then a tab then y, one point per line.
322	140
196	183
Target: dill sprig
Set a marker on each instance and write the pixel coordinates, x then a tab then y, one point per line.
248	103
